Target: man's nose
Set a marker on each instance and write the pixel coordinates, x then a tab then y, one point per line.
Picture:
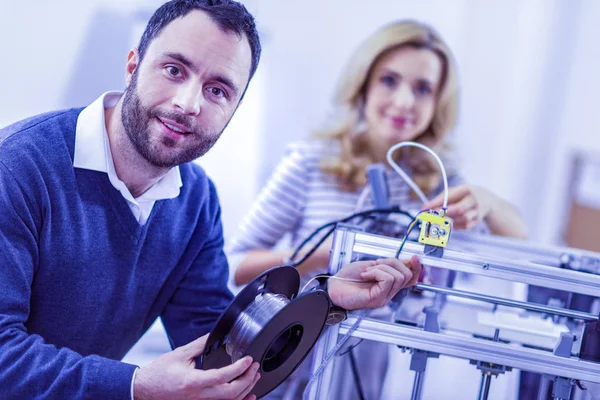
188	99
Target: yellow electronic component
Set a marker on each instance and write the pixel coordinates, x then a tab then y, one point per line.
435	228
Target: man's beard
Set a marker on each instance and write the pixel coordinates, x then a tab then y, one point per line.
136	120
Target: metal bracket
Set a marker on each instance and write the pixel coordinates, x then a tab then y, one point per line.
561	388
490	369
418	360
565	344
431	324
433	251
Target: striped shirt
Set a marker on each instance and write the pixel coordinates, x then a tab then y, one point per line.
299	197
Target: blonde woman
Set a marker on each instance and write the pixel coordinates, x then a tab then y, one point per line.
399	85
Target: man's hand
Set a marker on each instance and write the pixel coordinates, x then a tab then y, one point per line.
381	280
174	376
467	205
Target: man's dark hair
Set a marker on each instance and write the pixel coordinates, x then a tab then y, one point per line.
229	15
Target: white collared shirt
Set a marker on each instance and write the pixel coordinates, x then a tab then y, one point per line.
92	152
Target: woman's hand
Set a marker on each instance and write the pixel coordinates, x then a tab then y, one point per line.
469	204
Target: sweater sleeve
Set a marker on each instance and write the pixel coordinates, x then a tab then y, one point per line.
30	367
277	210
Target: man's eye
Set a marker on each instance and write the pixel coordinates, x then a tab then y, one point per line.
217	92
173	71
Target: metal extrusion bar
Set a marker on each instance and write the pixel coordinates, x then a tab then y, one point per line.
343	240
510	303
474	349
525	272
552	254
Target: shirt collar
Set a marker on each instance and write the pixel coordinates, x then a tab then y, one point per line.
92	151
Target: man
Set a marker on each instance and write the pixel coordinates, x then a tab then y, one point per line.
106	225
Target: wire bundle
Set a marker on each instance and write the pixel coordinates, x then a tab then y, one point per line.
332	226
251	322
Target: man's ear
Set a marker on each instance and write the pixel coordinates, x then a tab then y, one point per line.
131	66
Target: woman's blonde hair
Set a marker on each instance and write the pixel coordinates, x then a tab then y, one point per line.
350	166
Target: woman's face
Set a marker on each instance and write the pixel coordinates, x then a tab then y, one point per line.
401	94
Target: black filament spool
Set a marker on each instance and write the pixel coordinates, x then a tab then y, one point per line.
285	341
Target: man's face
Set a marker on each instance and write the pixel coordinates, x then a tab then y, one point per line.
183	93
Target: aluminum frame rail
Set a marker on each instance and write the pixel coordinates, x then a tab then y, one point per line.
577	259
349	241
523	358
493	267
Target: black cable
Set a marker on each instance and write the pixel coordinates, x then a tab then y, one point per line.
341	353
361	393
346	219
313	249
366	213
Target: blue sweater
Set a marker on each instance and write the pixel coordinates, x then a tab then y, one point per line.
81	280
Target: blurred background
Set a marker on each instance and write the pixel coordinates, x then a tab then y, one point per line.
529	92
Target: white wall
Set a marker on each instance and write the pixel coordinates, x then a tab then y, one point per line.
578	120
